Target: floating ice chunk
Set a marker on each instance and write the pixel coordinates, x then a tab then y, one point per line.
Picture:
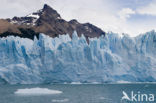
106	99
37	91
123	82
76	83
61	100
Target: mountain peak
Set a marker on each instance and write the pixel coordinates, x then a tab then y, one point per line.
47	20
50	12
46	7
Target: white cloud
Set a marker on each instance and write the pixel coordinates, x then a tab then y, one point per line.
125	13
148	10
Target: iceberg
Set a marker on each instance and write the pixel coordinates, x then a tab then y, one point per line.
36	91
107	59
60	101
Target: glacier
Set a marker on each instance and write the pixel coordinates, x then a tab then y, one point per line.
107	59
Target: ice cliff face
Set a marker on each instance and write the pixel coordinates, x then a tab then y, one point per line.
58	60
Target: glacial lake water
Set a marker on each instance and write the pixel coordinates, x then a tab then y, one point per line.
76	93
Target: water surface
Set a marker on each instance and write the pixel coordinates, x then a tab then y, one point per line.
70	93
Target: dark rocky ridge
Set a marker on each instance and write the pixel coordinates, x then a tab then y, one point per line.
49	22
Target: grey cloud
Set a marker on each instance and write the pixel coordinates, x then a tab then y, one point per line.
10	8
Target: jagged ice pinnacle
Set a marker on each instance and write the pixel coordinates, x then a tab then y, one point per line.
57	60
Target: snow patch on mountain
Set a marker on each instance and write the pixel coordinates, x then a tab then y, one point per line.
27	20
34	16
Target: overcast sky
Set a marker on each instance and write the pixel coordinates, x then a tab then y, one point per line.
120	16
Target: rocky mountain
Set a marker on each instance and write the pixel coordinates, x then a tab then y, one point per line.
46	21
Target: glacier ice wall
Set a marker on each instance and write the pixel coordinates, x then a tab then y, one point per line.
57	60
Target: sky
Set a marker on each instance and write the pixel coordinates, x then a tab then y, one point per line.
132	17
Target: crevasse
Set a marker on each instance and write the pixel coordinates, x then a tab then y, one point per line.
108	59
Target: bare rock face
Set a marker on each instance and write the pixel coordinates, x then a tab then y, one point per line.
6	26
49	22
